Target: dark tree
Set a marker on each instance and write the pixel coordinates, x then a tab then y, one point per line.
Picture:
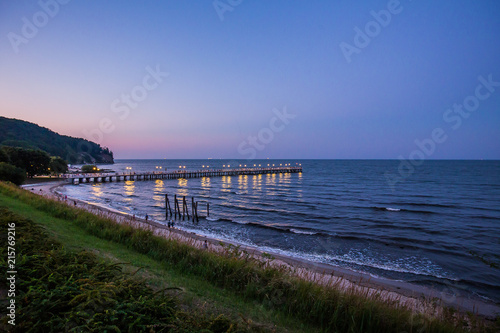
12	174
4	157
58	165
35	162
90	168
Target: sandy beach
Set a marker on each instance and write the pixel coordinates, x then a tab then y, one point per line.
418	298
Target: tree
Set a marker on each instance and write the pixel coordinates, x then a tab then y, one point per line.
4	157
58	165
35	162
90	168
12	174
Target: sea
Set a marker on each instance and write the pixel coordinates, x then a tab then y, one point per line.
436	224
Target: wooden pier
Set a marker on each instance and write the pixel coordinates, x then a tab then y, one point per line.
123	176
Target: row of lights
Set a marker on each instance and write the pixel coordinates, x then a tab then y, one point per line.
207	166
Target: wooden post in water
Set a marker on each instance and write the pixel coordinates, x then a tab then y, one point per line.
167	207
177	209
197	219
175	206
193	208
208	209
184	208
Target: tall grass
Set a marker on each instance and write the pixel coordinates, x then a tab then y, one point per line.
324	306
63	291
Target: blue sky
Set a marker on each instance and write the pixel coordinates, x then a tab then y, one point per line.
233	66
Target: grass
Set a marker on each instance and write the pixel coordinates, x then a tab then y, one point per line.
67	291
197	293
239	282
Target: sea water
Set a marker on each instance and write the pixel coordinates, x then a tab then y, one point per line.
438	226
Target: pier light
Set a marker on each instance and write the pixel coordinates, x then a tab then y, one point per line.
184	167
228	166
224	166
280	164
259	164
240	165
254	165
273	164
245	165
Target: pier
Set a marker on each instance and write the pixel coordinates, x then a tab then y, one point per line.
178	174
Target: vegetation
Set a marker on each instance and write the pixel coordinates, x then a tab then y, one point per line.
65	291
58	165
19	163
10	173
315	306
23	134
33	162
90	168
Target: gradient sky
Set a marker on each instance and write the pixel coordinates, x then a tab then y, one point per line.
226	76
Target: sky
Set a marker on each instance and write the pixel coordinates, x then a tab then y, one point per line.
258	79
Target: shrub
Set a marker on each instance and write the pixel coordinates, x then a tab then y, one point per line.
11	173
90	168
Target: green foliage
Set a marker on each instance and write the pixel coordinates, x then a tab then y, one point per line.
90	168
58	165
12	174
62	291
18	133
324	306
34	162
3	156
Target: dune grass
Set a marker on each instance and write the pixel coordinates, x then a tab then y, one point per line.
66	291
324	307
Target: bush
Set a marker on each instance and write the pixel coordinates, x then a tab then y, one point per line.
35	162
12	174
90	168
58	165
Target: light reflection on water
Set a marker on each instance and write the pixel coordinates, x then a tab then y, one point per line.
349	205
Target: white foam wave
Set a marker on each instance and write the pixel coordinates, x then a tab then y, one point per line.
295	231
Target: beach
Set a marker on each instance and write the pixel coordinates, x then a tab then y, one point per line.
419	298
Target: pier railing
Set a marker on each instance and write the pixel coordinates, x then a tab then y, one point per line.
178	174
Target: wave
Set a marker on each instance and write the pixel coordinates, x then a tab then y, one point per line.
284	229
425	270
295	231
390	209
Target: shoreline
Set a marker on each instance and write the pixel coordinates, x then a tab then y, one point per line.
419	298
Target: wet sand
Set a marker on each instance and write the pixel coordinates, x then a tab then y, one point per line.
416	297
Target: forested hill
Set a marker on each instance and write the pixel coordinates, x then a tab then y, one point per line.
20	133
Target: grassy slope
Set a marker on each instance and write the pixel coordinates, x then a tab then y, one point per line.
197	291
